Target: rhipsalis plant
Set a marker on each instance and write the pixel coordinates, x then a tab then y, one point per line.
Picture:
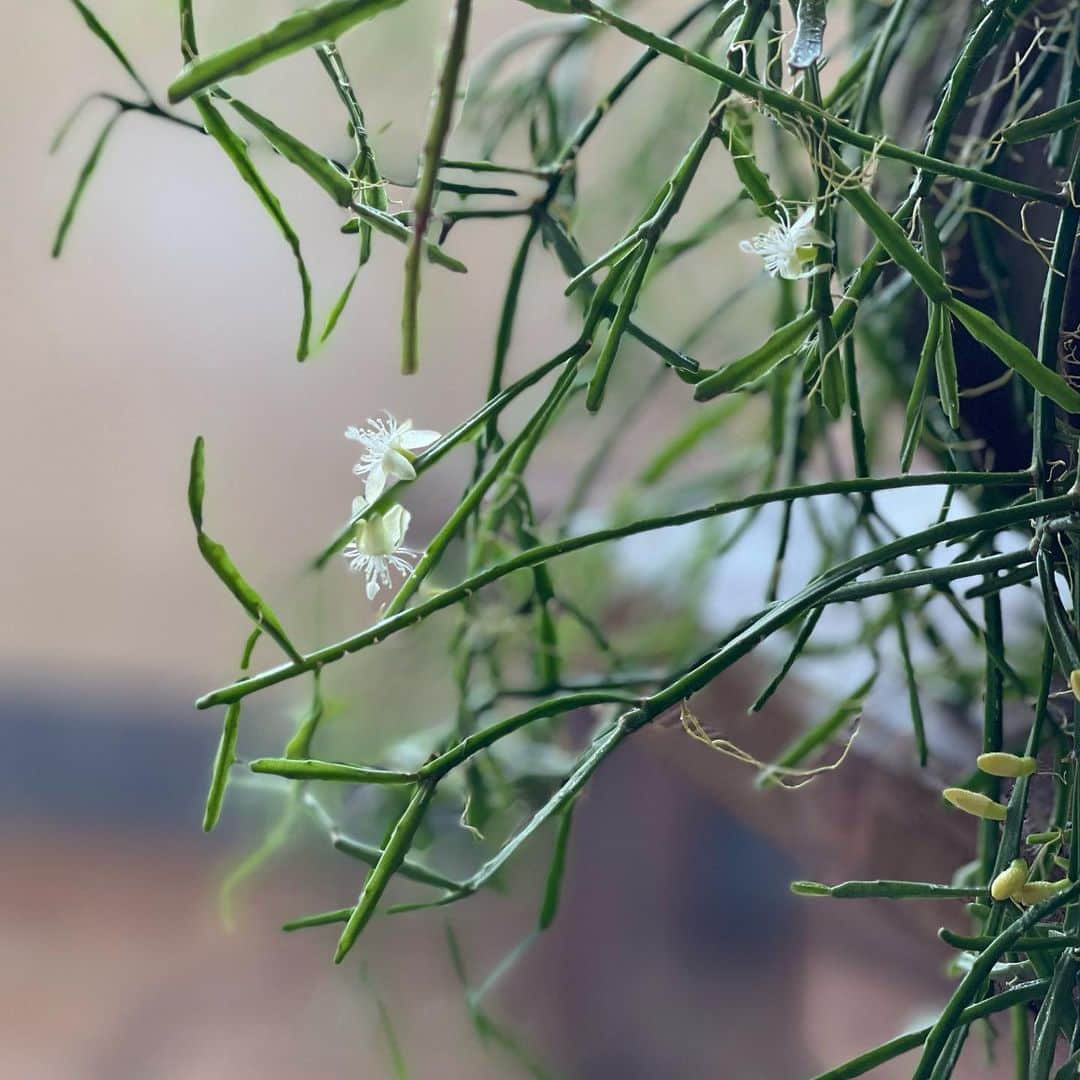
890	170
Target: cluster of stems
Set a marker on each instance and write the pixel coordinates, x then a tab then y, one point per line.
796	108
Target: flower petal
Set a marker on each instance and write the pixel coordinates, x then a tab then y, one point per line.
398	465
372	588
396	525
410	440
354	434
375	484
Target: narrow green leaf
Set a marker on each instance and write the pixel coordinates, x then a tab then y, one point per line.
797	647
947	377
817	736
553	888
223	566
397	847
69	122
702	424
320	168
1016	355
896	242
252	603
594	396
945	357
237	152
755	182
339	307
109	42
306	769
913	416
226	751
390	226
370	854
914	704
327	22
393	1043
631	240
323	918
1044	124
1050	1016
883	889
197	482
760	362
865	1063
81	181
223	762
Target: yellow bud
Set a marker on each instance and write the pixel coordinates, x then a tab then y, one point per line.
1034	891
971	802
1074	683
806	252
1001	764
1009	882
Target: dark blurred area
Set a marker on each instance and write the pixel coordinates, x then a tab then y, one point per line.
678	950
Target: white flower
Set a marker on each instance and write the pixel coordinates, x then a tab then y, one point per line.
378	547
788	246
387	445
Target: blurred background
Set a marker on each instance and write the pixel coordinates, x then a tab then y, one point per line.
173	312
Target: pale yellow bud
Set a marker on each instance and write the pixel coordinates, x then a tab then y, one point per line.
1034	891
971	802
1010	881
1074	683
1002	764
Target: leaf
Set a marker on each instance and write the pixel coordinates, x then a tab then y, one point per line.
945	358
197	482
223	566
250	600
594	396
339	307
809	34
81	181
390	226
327	22
223	761
553	888
896	242
393	855
760	362
237	152
913	416
393	1044
226	751
1016	355
947	377
320	168
805	744
109	42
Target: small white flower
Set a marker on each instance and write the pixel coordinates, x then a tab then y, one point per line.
378	547
387	452
788	246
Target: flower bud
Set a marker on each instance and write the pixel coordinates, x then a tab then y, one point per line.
1074	683
1010	881
1011	765
1034	891
971	802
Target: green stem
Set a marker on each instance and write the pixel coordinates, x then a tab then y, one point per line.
437	134
534	556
